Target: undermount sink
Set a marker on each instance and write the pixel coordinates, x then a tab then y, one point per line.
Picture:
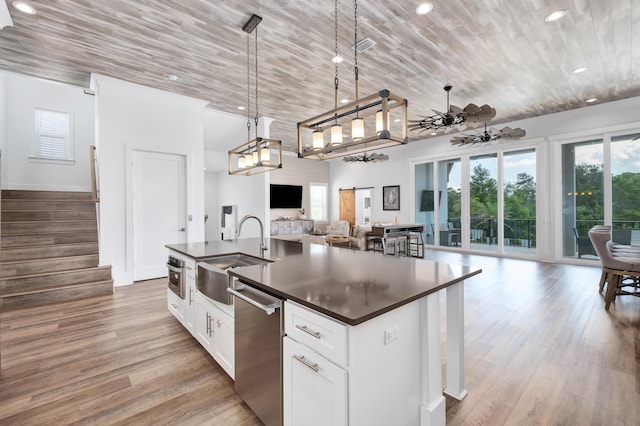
234	261
212	279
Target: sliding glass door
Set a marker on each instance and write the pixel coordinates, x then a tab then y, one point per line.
495	192
600	181
519	195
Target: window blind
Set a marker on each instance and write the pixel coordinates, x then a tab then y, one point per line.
52	134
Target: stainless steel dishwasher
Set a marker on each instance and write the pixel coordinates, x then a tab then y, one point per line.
258	367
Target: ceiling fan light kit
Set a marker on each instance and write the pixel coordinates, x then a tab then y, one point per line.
371	115
257	155
365	158
489	135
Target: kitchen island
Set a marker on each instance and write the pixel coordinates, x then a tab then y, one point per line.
384	315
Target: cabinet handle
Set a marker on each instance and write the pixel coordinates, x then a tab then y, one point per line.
189	267
208	325
174	306
190	294
303	360
307	330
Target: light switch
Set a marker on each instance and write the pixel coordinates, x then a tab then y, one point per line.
391	334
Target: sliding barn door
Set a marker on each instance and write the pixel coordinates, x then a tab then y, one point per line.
348	205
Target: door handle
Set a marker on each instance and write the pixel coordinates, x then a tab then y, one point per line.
182	229
269	309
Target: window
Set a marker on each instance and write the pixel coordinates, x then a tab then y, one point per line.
318	201
52	135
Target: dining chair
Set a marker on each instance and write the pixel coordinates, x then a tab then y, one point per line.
614	268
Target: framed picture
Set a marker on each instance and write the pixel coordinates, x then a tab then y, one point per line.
391	197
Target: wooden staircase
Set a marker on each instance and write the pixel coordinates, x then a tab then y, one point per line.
49	249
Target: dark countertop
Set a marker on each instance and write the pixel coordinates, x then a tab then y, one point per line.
348	285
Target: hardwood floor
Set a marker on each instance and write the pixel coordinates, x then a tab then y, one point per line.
540	349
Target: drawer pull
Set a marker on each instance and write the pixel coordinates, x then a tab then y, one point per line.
307	330
303	360
174	306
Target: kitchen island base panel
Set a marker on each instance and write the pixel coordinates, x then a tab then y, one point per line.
434	415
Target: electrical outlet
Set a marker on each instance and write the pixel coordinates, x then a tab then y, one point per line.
391	334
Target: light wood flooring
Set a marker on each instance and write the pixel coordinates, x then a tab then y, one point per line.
540	349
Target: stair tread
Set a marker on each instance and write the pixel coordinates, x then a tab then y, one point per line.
43	274
45	259
59	287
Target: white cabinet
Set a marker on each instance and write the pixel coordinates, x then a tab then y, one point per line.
315	389
189	296
176	306
214	329
334	373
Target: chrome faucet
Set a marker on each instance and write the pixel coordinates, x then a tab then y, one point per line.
263	245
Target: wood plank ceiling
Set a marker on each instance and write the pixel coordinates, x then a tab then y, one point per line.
500	52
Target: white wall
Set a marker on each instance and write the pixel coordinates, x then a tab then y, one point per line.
546	131
249	194
22	95
299	171
211	206
128	117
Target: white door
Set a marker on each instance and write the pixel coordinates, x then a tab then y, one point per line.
158	210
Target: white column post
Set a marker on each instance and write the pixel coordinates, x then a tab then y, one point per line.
455	342
432	402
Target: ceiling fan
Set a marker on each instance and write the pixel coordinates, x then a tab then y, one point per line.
365	158
454	117
489	135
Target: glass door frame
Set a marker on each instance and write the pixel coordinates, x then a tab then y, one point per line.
464	155
606	136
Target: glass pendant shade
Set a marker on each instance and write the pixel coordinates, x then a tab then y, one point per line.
248	160
379	126
256	160
265	155
241	164
336	134
357	129
317	138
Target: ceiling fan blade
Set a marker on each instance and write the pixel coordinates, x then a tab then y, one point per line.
472	109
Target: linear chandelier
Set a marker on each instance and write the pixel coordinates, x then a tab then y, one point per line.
257	155
383	116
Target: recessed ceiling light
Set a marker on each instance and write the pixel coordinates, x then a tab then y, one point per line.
337	59
172	77
241	108
434	133
554	16
344	101
424	8
24	7
579	70
397	120
591	100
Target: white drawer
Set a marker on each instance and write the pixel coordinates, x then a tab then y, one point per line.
317	331
176	306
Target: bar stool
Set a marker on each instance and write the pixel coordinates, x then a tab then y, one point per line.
374	244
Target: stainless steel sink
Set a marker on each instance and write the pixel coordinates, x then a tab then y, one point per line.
233	261
212	279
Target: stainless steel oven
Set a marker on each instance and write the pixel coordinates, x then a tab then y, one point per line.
176	275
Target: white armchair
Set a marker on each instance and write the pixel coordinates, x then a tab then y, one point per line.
338	228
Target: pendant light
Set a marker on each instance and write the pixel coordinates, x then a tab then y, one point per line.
336	129
254	156
375	110
357	124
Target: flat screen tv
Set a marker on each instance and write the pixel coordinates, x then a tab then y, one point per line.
286	196
427	201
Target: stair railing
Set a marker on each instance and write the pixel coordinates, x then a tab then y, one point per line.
95	191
